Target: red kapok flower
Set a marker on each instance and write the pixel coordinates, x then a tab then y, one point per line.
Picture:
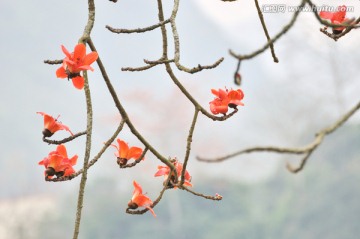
76	62
140	200
225	99
124	153
337	17
51	125
58	163
165	171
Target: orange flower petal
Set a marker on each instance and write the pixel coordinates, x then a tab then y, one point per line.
222	94
61	149
137	190
218	106
142	200
69	171
215	92
134	152
49	121
79	52
123	149
56	162
90	58
152	211
78	82
84	68
162	170
44	162
61	73
73	160
66	52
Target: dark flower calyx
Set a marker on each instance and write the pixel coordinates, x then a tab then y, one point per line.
336	32
50	171
59	174
71	74
121	161
47	133
234	106
132	205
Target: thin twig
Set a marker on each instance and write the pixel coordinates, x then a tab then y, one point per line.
215	198
150	65
198	67
137	30
72	137
53	62
142	68
188	146
158	62
266	31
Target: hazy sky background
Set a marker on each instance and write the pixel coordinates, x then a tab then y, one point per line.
314	83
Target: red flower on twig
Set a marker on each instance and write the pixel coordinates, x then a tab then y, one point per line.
337	17
58	163
224	99
140	200
51	125
76	62
124	153
165	171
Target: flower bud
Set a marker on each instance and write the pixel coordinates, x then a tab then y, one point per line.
237	79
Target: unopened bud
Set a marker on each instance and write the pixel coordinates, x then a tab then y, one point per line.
237	79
